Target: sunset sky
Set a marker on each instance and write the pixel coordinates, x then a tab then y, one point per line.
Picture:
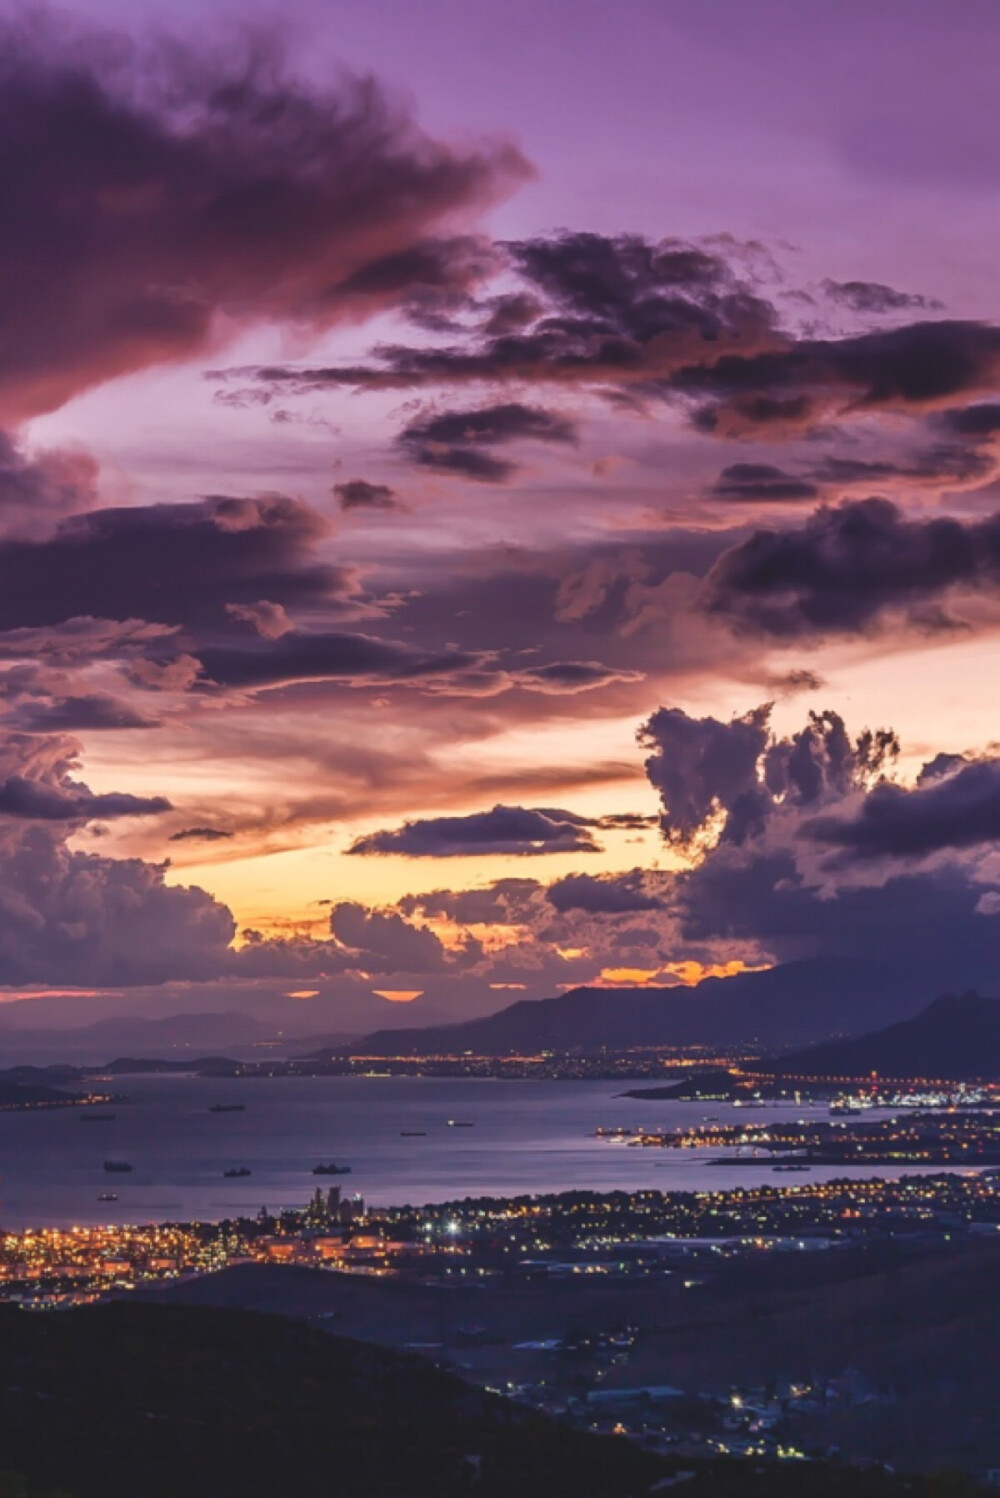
495	497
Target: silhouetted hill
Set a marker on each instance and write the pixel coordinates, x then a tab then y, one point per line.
794	1004
127	1400
956	1038
30	1094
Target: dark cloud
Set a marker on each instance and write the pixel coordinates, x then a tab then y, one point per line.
296	656
847	565
637	320
740	773
179	563
938	465
981	420
629	821
145	194
960	809
592	309
915	367
466	462
67	802
76	714
359	494
873	297
931	925
36	492
460	441
568	677
520	830
766	894
761	482
619	894
702	767
199	834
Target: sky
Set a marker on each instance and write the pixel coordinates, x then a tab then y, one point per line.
494	497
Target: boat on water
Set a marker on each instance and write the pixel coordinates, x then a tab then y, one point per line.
227	1108
108	1196
117	1167
331	1170
460	1123
791	1165
237	1171
413	1133
97	1118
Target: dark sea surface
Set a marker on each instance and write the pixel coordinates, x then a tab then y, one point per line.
527	1136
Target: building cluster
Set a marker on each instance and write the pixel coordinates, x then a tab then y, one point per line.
580	1233
600	1064
946	1136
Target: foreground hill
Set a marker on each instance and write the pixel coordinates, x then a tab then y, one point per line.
919	1327
953	1039
129	1400
794	1004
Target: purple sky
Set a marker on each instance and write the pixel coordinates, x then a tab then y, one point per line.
407	408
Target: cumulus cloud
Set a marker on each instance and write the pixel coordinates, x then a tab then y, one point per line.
525	831
765	893
701	767
384	941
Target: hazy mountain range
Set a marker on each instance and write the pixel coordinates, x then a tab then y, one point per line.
779	1009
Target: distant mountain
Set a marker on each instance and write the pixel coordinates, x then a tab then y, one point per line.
195	1034
49	1029
794	1004
956	1038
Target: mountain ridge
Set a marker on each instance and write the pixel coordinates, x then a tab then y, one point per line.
955	1038
794	1004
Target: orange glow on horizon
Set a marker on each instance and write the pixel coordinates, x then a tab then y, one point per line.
398	995
12	997
690	972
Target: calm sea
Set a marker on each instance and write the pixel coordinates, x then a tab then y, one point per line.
526	1137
